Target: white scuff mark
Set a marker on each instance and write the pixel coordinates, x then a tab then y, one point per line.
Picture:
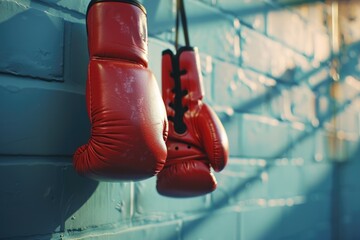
124	27
117	91
139	105
128	84
133	115
132	107
119	72
140	102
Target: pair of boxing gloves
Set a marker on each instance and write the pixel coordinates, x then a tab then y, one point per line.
135	134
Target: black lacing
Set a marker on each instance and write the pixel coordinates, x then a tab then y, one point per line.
176	74
177	105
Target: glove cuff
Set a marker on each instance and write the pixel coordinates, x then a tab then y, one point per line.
133	2
117	29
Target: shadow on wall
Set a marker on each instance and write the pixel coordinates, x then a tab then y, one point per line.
43	122
315	216
298	221
36	200
43	81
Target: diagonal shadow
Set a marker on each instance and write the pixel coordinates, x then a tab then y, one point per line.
223	201
302	137
286	79
198	17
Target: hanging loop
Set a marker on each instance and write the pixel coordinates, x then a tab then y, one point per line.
181	14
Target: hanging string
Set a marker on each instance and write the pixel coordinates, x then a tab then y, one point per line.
177	25
180	13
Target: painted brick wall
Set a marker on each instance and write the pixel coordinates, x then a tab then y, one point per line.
293	133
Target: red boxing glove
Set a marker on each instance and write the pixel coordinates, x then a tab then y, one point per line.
128	118
197	139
